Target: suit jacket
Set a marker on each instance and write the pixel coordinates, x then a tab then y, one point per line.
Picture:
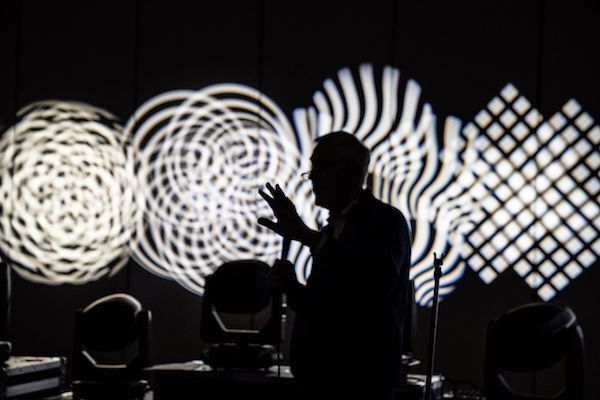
349	315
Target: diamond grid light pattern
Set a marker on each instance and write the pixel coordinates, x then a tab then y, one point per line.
541	216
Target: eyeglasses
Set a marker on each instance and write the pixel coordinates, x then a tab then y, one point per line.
315	173
323	169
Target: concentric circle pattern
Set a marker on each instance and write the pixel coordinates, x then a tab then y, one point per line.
66	198
200	158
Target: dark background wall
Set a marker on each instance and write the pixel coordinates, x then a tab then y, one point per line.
115	55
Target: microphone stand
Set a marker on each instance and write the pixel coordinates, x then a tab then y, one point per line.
437	273
285	249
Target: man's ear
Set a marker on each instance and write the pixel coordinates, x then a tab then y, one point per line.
355	175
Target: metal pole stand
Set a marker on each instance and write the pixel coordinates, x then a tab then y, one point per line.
437	273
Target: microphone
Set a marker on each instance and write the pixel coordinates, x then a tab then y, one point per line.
285	248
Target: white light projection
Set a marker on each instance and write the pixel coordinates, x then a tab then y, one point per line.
487	199
200	158
408	168
508	190
440	181
540	215
66	196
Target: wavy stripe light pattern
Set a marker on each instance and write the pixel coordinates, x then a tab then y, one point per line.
408	169
66	197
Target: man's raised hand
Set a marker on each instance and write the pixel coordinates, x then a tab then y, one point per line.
289	224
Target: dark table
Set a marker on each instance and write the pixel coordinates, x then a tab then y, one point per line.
195	380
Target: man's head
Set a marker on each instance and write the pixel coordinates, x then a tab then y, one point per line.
339	166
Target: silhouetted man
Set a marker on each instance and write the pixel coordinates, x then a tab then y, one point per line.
347	336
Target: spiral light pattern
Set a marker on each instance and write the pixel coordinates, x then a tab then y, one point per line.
200	158
66	198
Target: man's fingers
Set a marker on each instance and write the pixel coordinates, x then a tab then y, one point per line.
278	201
288	222
265	196
271	189
267	223
275	195
280	192
276	192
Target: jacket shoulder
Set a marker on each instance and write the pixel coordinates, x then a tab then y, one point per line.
387	213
